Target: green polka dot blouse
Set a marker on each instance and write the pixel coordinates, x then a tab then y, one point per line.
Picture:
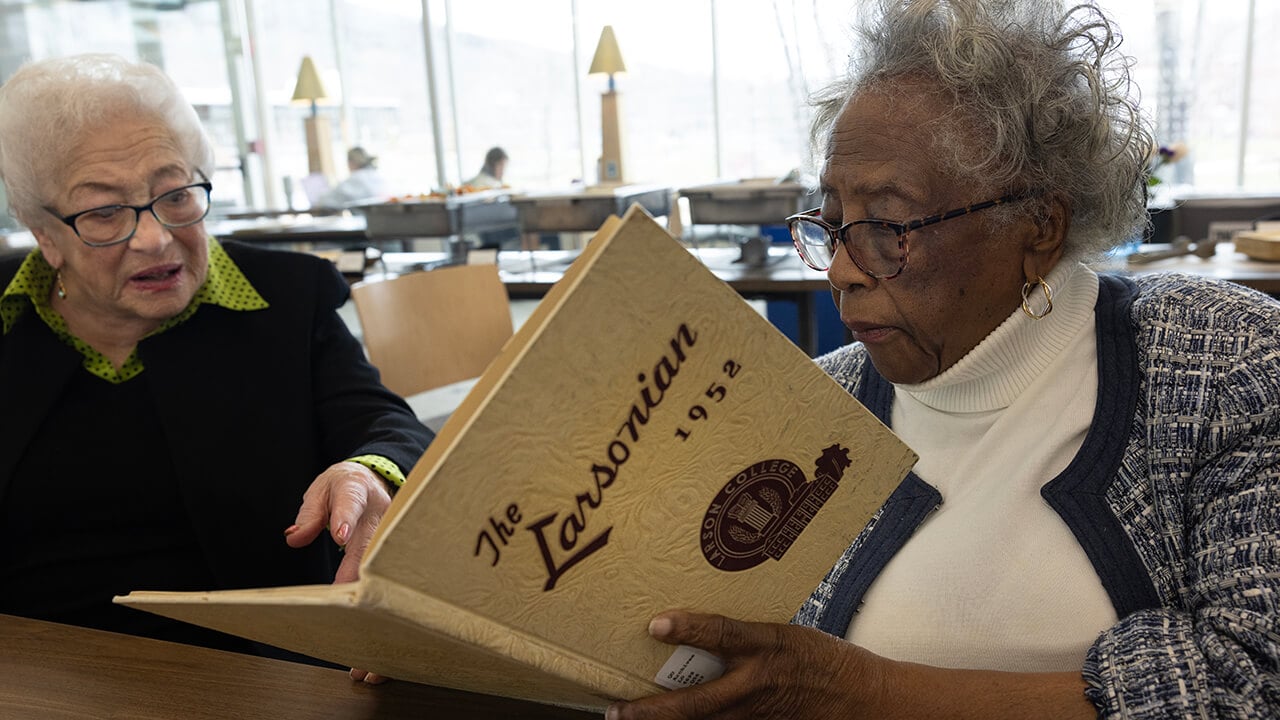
226	286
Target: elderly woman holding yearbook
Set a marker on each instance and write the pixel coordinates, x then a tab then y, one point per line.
177	414
1093	528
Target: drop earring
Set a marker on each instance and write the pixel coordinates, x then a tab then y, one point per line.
62	289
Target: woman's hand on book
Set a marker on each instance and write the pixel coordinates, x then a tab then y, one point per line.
349	499
772	671
798	673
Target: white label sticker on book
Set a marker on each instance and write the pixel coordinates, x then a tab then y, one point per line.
689	666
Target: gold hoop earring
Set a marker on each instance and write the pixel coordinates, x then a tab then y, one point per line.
1027	287
62	289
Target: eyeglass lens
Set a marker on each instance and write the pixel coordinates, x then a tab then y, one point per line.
176	208
875	247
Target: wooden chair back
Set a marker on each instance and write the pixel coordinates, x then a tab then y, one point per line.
427	329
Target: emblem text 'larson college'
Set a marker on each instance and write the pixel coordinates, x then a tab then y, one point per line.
763	509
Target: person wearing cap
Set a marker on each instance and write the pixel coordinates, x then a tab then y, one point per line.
365	184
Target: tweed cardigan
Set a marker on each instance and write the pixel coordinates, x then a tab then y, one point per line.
1174	497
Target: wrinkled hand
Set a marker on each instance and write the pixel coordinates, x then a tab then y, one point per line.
350	499
772	671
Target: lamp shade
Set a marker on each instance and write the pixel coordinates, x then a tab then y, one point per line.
309	87
608	58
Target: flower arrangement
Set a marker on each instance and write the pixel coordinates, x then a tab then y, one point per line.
1162	155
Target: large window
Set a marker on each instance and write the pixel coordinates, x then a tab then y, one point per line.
666	93
285	31
384	85
713	88
772	56
507	69
1204	90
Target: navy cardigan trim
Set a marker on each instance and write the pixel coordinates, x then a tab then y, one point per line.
1078	494
902	513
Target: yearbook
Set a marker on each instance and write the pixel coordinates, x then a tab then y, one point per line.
646	441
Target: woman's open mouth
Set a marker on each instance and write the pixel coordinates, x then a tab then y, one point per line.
161	277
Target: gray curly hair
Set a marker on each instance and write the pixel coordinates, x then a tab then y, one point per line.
1044	88
48	105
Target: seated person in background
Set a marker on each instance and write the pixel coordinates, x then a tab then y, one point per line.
364	185
177	415
490	175
1093	528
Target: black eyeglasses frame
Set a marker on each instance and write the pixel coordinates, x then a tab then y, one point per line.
838	235
70	220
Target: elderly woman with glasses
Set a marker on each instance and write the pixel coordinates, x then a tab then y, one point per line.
1093	528
177	414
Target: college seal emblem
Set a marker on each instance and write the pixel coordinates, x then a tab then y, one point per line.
765	507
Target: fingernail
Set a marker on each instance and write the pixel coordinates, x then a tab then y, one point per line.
659	626
290	530
611	713
343	531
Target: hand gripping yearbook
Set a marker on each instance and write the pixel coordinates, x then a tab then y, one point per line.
645	441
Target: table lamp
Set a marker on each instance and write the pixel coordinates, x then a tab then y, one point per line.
608	60
319	136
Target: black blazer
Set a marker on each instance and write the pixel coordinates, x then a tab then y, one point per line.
254	405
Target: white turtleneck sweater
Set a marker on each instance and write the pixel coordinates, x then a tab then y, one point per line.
994	579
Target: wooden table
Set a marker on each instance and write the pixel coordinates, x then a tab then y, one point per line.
1225	264
298	229
432	407
530	274
585	209
58	671
474	212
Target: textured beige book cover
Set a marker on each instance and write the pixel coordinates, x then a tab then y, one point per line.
646	441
